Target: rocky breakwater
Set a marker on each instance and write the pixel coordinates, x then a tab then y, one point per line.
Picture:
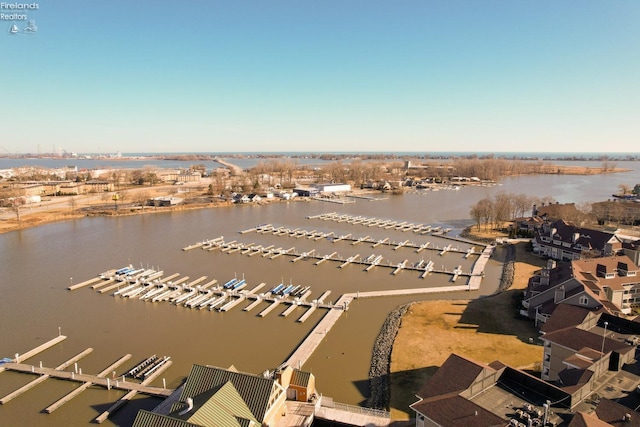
379	371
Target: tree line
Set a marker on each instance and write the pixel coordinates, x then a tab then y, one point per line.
493	212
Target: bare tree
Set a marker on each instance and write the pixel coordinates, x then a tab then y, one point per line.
502	208
608	165
13	199
521	205
105	197
482	212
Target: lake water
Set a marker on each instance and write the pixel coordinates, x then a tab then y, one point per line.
39	263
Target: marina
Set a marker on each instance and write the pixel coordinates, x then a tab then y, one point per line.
265	299
221	298
377	222
332	237
370	262
281	299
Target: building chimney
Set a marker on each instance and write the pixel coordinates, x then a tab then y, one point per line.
189	407
559	294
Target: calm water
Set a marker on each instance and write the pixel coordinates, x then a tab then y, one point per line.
38	264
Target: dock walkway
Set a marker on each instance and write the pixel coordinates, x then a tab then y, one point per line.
315	337
83	378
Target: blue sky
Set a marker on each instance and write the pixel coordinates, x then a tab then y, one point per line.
310	75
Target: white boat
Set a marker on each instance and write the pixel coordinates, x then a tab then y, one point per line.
13	29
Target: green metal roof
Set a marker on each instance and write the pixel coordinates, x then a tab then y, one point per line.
300	378
255	391
149	419
224	409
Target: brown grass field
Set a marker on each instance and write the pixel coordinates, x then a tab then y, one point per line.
483	330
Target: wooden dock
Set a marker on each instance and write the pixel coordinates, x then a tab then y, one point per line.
101	379
315	337
39	349
42	378
49	409
85	283
132	392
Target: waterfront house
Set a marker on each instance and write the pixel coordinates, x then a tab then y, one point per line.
466	393
563	241
577	355
254	198
214	396
240	198
556	211
610	284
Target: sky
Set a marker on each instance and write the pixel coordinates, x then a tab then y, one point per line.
321	76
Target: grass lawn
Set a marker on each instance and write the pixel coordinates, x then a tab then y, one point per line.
483	330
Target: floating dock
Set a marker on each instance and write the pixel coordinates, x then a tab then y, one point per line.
101	379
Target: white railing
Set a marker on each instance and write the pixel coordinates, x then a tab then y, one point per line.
361	410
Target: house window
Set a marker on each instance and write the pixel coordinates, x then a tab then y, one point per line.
584	300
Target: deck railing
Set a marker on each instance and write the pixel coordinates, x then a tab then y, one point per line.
361	410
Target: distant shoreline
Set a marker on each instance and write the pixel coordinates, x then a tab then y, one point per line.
436	155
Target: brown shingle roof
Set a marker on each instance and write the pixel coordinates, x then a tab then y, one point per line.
582	419
565	315
612	413
454	411
574	379
456	374
576	339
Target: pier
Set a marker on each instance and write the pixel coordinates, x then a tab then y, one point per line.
400	267
49	409
349	260
315	337
43	377
101	379
85	283
280	231
370	262
325	257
